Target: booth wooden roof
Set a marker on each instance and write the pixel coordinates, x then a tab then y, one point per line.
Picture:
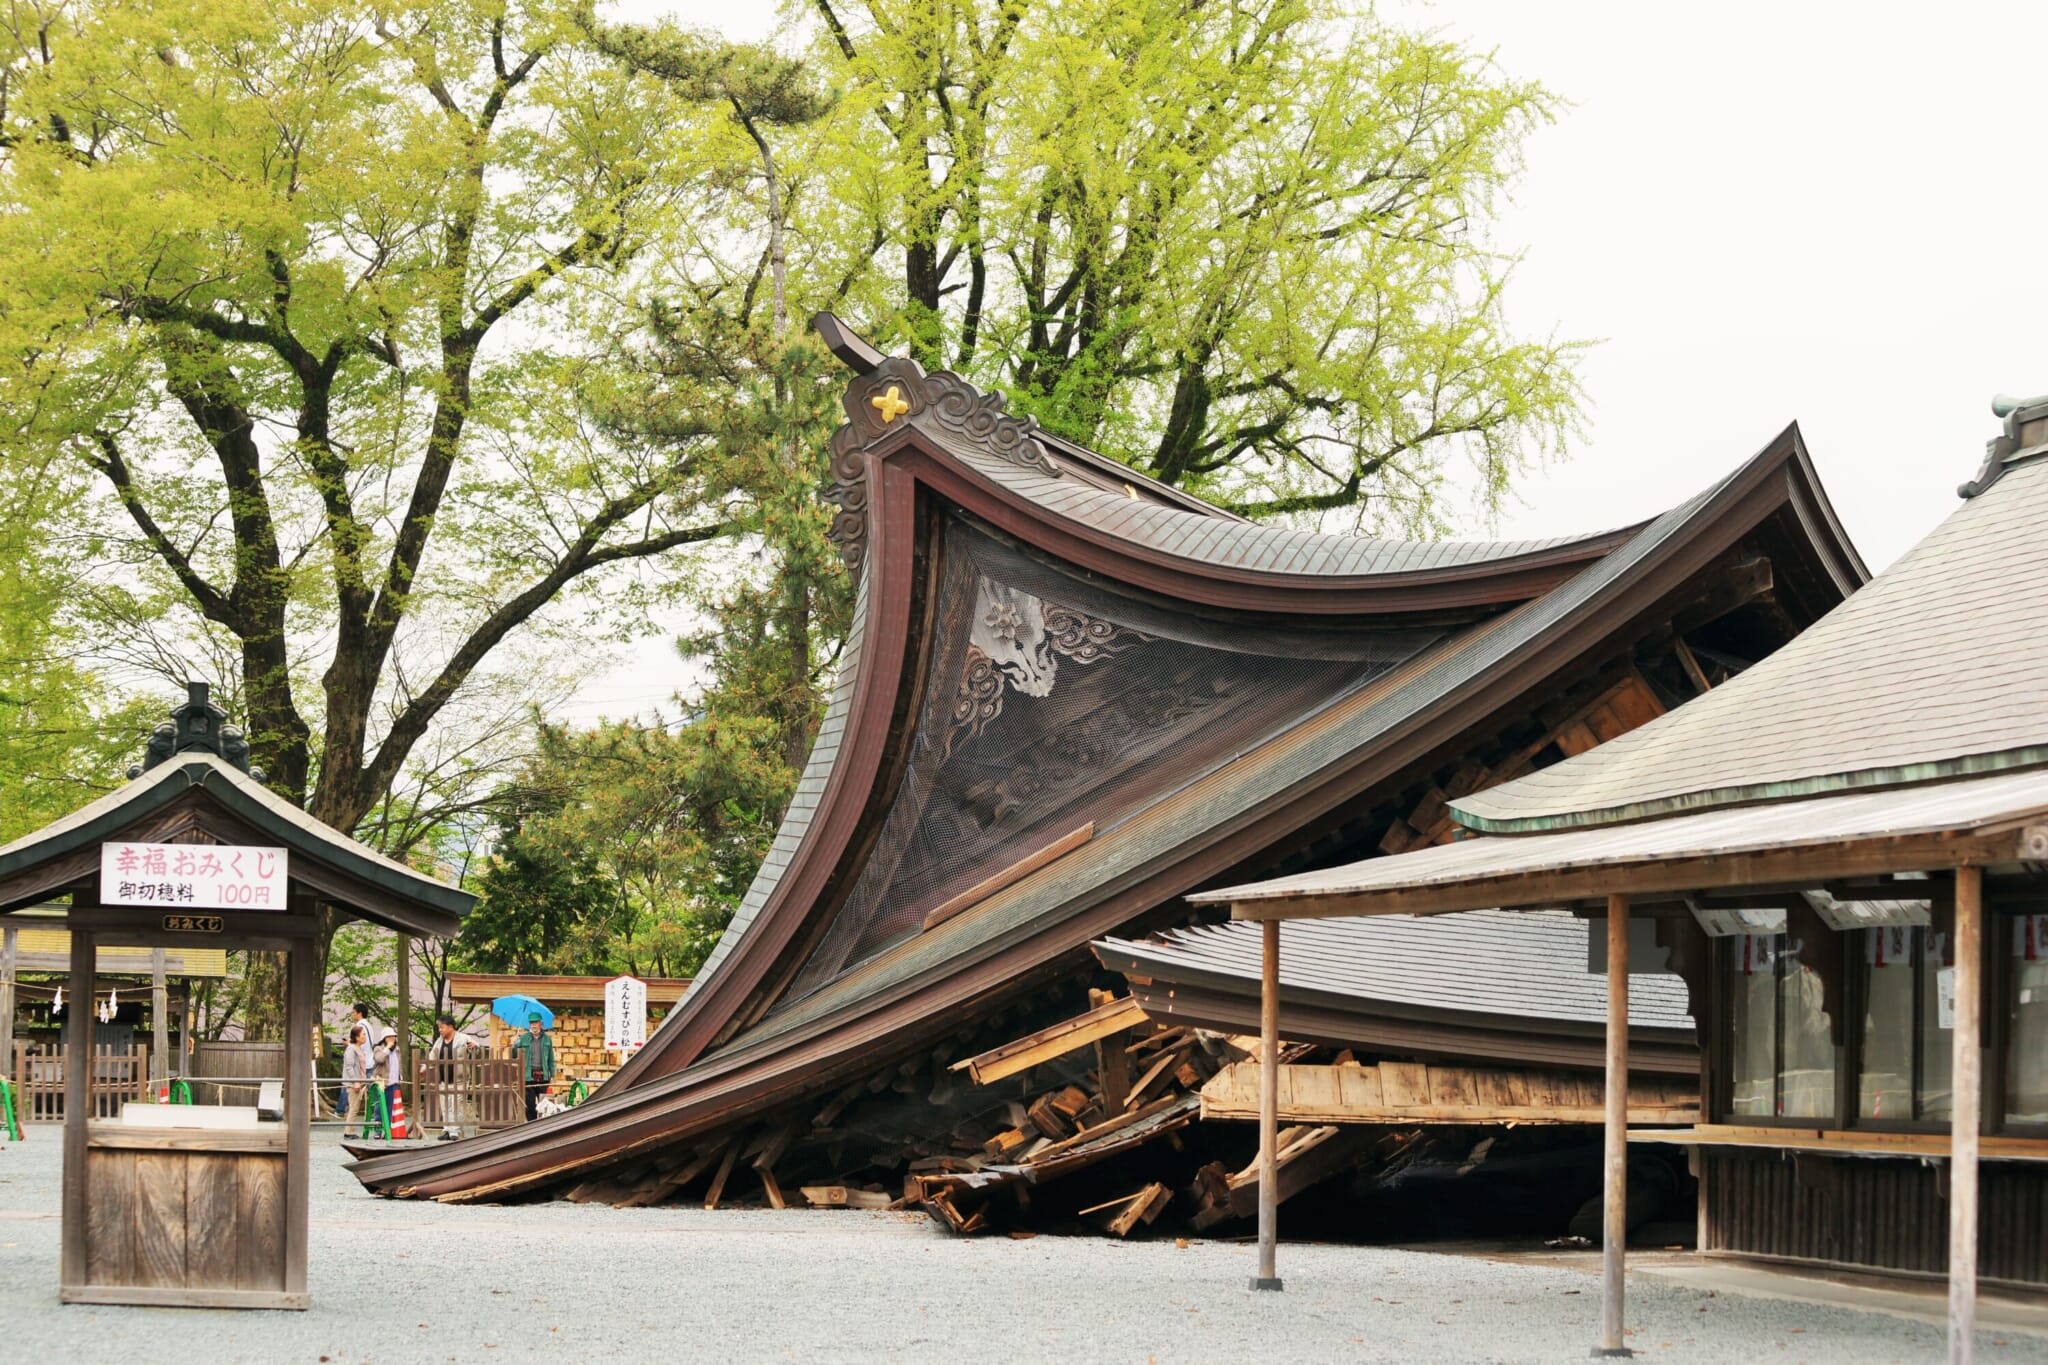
200	792
1994	819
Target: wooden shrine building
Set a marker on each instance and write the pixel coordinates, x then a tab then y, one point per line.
200	1205
1070	696
1843	851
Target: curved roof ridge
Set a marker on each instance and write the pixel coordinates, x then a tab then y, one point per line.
1102	497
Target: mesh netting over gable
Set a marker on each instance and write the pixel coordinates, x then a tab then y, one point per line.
1053	702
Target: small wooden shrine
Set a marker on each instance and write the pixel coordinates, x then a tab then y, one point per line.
200	1205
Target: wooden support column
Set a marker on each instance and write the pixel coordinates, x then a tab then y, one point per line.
159	1020
7	951
1967	1117
302	1005
1614	1194
78	1068
1269	1109
184	1067
404	1022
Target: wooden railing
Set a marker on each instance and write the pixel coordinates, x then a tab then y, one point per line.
118	1075
467	1092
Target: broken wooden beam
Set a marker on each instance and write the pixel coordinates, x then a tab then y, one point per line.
1057	1040
1405	1093
844	1197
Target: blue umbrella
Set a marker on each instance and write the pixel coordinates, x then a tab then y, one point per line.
516	1010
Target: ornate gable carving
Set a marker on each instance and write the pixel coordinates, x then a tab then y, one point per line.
898	391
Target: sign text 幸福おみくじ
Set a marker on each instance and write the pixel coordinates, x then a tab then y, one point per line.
193	876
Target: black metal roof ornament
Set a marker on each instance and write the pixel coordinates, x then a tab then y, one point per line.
198	726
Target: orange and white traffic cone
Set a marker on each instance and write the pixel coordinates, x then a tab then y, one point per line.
163	1096
397	1113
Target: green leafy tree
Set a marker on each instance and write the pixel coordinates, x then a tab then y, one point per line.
1243	247
64	738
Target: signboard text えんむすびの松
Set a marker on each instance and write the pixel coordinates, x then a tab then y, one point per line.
193	876
625	1013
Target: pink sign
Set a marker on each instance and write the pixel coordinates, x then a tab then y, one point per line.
193	876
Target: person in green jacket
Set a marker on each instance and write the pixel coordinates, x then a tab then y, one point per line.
536	1053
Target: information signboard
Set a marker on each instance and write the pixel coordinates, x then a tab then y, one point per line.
193	876
625	1013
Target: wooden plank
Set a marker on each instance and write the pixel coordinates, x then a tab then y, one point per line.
1691	664
211	1232
139	1296
1015	872
1404	1085
1389	1094
770	1186
160	1219
110	1219
1452	1087
1100	1130
1162	1066
1146	1207
1112	1062
1055	1041
844	1197
260	1199
732	1153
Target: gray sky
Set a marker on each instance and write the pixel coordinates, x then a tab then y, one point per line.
1762	212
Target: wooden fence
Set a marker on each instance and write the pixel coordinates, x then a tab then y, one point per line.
220	1062
467	1092
118	1075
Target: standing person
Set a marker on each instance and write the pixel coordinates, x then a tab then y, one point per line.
389	1070
356	1066
536	1053
447	1046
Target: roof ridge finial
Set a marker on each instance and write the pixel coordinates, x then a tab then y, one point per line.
198	726
2014	442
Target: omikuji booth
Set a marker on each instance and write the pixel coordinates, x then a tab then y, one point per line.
200	1205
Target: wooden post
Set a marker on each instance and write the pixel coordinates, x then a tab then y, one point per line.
7	939
159	1020
405	1007
302	1002
1967	1116
1269	1109
78	1067
1614	1195
185	1030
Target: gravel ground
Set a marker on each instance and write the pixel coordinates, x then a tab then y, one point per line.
400	1282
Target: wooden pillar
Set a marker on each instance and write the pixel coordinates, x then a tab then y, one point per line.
78	1068
302	1002
1967	1117
1269	1109
185	1030
7	950
159	1020
404	1021
1614	1194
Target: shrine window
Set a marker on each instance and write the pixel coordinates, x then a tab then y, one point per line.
1906	980
2026	990
1781	1043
